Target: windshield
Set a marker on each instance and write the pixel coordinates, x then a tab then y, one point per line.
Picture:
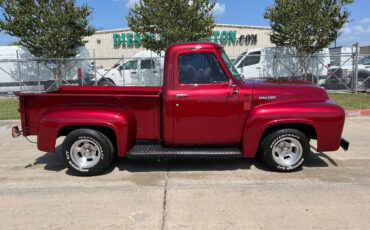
238	58
364	61
230	66
116	65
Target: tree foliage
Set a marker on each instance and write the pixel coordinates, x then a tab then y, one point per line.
307	25
14	43
47	28
171	21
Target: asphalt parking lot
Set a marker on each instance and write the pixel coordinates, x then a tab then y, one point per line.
331	192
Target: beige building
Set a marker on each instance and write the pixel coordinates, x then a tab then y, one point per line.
124	43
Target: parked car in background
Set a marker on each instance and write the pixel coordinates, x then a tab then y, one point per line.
341	64
281	62
342	77
144	68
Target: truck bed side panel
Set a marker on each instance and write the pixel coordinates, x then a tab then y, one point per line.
143	102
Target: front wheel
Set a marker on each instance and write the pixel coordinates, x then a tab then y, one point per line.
87	152
284	150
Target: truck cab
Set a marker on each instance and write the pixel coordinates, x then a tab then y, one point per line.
204	109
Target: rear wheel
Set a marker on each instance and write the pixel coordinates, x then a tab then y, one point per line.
284	150
87	152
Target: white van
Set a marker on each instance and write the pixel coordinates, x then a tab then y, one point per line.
35	76
143	69
281	62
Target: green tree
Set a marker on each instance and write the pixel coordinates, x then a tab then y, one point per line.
307	25
164	22
47	28
14	43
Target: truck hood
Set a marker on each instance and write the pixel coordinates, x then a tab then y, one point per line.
286	91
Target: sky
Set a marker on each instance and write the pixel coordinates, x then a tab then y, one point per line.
111	14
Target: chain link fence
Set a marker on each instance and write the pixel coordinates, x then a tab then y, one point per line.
333	71
38	75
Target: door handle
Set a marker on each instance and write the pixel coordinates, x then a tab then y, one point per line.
179	96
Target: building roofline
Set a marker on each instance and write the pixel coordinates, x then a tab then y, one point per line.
244	26
217	25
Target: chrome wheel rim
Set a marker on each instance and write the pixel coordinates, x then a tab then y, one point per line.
85	153
287	151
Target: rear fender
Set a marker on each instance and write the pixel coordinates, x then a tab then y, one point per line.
121	121
325	118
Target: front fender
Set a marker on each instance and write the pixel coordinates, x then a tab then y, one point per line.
327	119
121	121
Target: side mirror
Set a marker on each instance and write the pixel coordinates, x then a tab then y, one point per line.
235	90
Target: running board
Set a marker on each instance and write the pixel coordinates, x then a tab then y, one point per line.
156	151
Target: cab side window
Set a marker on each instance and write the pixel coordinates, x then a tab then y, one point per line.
130	64
199	68
251	59
147	64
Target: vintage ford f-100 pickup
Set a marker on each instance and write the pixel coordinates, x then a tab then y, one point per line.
204	109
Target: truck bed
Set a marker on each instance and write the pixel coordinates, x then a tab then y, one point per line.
142	101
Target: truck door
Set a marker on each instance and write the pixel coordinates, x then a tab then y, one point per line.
250	66
130	72
206	109
149	72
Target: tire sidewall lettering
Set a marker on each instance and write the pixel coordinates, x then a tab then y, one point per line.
274	139
281	137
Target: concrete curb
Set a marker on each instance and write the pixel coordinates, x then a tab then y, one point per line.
10	122
357	112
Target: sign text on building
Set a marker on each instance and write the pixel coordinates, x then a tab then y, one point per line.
224	37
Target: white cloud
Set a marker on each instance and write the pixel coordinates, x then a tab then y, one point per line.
132	3
365	21
355	32
219	9
346	30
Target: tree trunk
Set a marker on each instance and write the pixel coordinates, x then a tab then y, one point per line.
302	59
58	74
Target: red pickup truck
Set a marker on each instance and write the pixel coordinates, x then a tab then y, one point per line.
204	109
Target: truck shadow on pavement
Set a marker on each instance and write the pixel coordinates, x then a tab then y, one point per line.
54	162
